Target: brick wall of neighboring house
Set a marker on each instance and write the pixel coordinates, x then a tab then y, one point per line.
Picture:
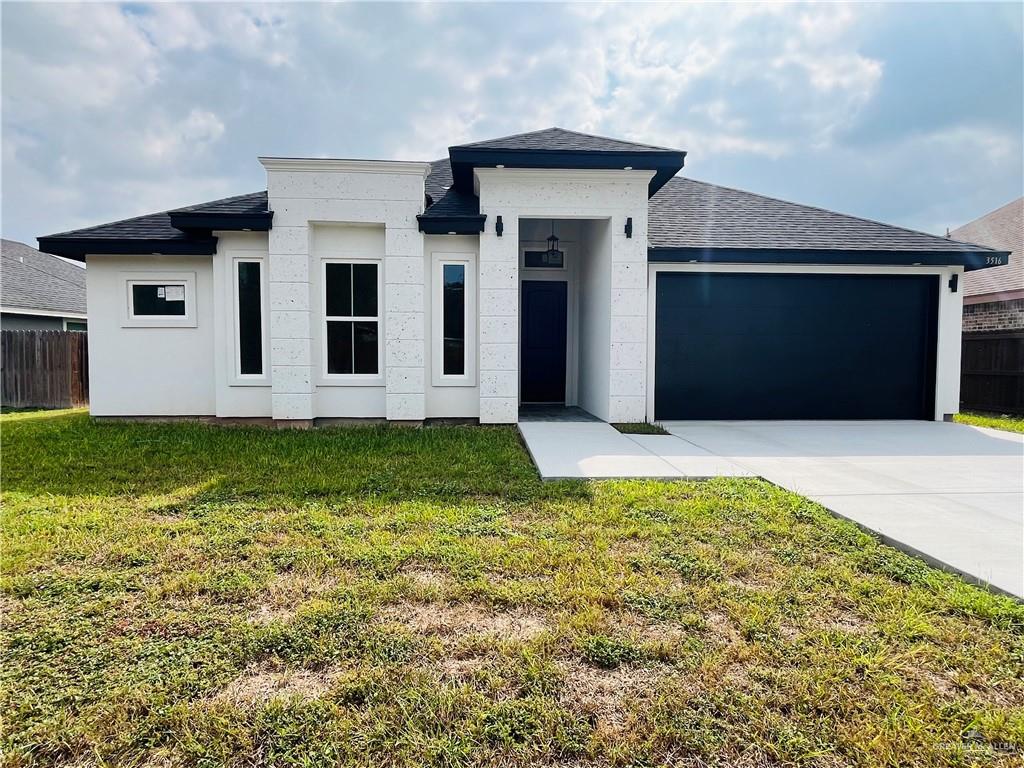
994	316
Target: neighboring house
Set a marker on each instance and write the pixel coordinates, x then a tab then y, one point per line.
546	267
994	298
993	320
40	292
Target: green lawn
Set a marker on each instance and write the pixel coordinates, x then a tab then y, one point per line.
193	595
993	420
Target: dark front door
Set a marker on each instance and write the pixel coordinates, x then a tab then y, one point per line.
795	346
542	355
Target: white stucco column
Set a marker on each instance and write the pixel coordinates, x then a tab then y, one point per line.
405	354
627	390
499	322
291	364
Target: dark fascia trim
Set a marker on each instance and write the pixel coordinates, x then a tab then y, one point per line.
79	247
969	260
198	220
446	225
665	164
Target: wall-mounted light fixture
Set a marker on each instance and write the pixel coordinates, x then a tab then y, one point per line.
629	227
499	226
954	281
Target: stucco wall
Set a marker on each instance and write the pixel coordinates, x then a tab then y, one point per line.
149	371
595	297
994	316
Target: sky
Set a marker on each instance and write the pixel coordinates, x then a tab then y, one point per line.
906	113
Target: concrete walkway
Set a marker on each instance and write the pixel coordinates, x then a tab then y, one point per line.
953	494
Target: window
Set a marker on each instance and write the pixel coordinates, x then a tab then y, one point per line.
453	320
152	299
249	309
75	325
158	300
453	314
352	318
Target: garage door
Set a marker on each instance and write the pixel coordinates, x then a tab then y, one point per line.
794	346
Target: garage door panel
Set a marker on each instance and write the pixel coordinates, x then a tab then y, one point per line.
794	346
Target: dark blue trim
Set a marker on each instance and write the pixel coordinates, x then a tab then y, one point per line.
78	247
969	260
447	225
193	220
665	164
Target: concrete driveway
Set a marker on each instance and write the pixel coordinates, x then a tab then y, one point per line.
952	493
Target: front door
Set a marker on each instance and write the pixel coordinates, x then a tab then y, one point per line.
542	355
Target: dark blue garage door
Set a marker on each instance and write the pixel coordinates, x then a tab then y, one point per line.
795	346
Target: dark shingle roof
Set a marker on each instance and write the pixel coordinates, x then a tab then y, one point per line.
1003	228
561	140
445	199
30	279
152	226
693	214
439	179
254	202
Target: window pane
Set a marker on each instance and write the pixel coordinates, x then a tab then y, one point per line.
250	312
453	309
339	346
364	290
339	290
543	260
365	334
159	299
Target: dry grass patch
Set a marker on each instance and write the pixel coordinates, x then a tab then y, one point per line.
604	696
286	592
264	682
466	618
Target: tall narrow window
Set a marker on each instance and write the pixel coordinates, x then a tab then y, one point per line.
352	317
249	300
453	319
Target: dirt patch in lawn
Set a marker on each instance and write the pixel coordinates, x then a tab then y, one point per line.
264	683
466	618
426	578
603	695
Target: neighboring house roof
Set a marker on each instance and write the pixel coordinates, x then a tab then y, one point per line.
35	281
687	220
1003	228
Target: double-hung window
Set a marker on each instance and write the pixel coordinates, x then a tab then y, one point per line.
352	333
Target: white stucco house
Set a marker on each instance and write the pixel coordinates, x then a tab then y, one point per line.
547	267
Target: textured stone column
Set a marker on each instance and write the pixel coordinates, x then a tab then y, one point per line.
627	389
499	324
291	364
404	324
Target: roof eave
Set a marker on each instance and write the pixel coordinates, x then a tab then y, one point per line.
665	164
451	225
78	248
969	260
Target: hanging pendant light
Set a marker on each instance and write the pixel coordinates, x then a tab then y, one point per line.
553	256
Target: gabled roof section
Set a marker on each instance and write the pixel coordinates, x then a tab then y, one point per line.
562	140
30	280
560	148
448	210
181	231
691	220
1003	228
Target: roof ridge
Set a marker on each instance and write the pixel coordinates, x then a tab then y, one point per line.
830	212
1013	203
612	138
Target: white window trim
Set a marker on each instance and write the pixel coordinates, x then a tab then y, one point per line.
239	378
352	379
130	320
438	377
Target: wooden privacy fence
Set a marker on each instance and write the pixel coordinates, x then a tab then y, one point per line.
44	369
992	372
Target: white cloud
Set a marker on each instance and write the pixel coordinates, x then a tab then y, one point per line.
194	133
